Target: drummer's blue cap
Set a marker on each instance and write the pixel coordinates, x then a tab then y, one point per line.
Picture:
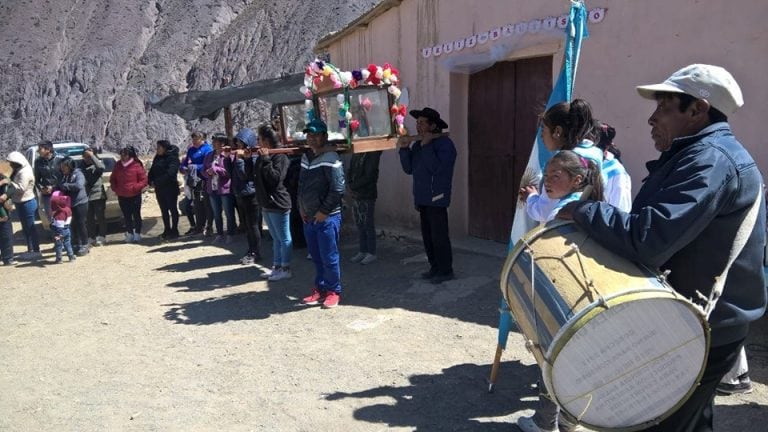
316	127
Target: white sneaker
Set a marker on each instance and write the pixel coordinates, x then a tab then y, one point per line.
309	256
100	241
128	238
358	257
566	426
280	274
137	237
369	258
526	424
269	272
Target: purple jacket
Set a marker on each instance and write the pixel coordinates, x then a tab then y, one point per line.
216	162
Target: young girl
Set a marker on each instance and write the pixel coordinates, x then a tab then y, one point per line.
61	218
566	175
565	126
618	184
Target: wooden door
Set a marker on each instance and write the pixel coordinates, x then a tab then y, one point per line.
504	103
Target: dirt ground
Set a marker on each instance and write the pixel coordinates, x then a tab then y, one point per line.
179	336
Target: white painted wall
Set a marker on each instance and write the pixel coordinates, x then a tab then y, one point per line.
638	42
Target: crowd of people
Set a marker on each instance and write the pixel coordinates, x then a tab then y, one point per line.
693	200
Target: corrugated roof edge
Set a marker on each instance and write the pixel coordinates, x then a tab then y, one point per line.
362	20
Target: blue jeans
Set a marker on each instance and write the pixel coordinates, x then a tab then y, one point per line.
279	228
322	242
6	241
26	212
62	240
224	202
363	210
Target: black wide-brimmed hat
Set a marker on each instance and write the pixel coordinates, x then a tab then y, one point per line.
432	115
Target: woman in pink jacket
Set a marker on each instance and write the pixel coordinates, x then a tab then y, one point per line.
128	179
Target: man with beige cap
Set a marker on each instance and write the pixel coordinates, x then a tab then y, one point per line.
701	203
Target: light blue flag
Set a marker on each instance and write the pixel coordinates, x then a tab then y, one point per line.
575	33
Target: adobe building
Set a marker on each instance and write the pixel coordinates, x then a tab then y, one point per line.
488	67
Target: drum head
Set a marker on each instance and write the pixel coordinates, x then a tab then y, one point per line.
630	365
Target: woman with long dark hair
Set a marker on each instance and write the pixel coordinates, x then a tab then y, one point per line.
163	178
128	179
218	187
275	201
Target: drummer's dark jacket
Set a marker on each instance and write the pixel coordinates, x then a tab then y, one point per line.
684	219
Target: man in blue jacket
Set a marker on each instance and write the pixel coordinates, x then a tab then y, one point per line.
192	166
695	209
430	161
321	187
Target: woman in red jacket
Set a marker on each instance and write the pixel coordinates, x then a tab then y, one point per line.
128	179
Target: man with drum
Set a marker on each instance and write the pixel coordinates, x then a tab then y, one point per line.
699	215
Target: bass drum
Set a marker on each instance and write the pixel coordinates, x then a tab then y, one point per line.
619	349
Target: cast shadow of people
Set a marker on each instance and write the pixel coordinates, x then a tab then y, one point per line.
206	261
255	305
213	280
744	417
454	400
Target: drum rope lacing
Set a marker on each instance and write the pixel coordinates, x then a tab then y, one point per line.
589	285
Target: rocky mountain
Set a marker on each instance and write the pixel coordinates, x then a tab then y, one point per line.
82	69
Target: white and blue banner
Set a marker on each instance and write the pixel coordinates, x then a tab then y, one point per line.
575	32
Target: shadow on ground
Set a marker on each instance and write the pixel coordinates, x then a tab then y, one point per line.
233	307
391	282
454	400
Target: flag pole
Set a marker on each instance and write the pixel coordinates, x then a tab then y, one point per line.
575	32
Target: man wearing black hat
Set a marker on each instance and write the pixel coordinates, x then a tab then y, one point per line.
430	161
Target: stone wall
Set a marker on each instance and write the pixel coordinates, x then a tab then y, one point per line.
82	69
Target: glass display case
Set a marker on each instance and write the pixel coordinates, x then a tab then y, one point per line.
363	112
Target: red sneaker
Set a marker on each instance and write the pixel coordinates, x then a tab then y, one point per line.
315	298
331	300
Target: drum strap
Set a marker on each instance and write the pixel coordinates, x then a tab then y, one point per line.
739	241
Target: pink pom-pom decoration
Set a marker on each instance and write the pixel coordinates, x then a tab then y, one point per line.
367	104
